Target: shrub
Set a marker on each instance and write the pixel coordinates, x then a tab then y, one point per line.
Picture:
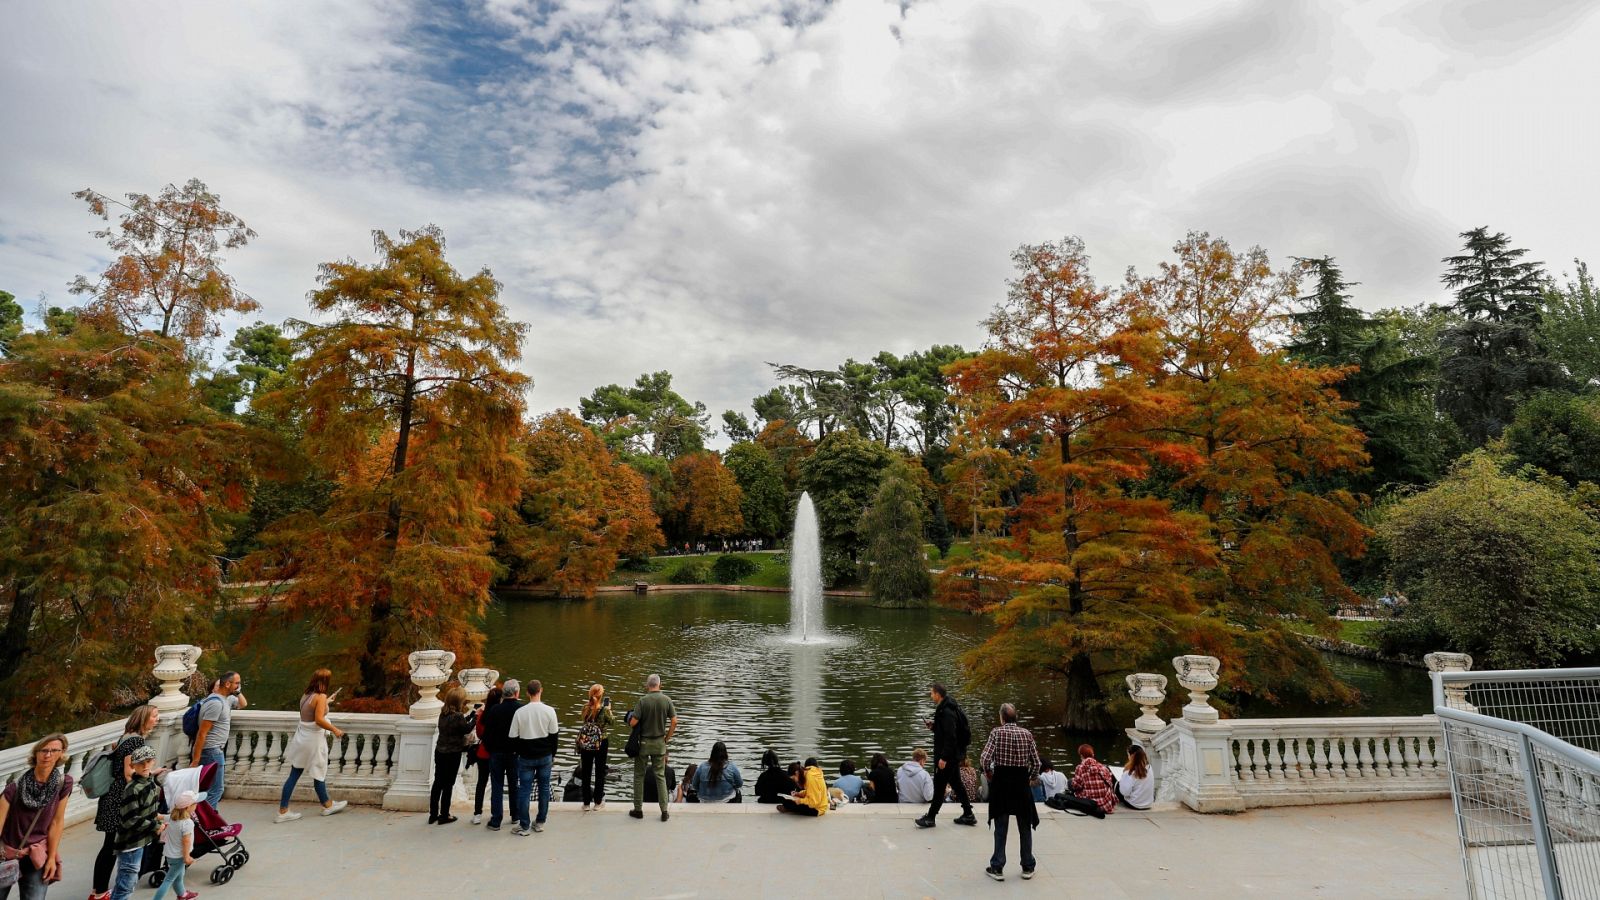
730	569
695	572
639	564
837	568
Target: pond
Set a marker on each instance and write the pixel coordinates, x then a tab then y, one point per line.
735	675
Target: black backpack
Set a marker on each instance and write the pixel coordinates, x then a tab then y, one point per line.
963	728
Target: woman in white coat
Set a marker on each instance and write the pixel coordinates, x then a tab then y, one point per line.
308	751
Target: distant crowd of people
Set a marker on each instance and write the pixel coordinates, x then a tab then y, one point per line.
739	545
512	742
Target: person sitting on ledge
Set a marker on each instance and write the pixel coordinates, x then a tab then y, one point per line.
810	797
686	792
773	782
717	780
880	787
1092	781
848	782
1135	787
1050	781
913	782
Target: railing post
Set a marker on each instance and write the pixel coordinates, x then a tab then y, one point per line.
1210	783
1455	694
413	753
175	664
1539	821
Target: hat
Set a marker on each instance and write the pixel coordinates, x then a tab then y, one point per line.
185	799
143	754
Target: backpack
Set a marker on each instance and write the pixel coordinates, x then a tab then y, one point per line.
1081	806
590	736
963	729
191	719
97	777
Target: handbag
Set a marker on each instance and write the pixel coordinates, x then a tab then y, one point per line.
631	748
11	869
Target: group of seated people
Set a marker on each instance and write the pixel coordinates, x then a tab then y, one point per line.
802	785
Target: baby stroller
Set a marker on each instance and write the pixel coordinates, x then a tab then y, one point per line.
211	833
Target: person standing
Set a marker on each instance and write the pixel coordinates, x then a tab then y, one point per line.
33	813
140	723
211	740
951	735
533	733
1010	759
502	756
308	750
178	846
138	822
657	721
479	754
594	742
455	723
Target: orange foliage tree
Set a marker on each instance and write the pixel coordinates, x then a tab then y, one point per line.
705	497
581	510
113	478
1260	434
1091	574
409	401
167	267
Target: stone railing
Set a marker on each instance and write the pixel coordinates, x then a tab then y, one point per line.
360	765
81	745
1211	764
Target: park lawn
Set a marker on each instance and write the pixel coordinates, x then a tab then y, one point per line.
1362	633
773	572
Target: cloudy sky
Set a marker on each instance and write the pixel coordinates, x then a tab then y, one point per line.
703	187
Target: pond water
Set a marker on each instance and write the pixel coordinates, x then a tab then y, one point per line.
736	675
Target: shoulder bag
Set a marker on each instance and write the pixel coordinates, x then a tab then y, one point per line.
631	748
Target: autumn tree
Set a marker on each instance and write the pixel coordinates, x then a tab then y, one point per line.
1260	435
581	510
409	401
763	501
112	479
892	558
706	498
1091	575
167	274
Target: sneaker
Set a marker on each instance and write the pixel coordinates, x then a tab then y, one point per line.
443	820
966	818
280	817
188	895
492	827
636	813
665	815
1027	874
337	807
519	831
925	822
994	873
599	805
477	818
538	826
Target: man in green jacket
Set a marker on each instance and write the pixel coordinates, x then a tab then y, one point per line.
656	720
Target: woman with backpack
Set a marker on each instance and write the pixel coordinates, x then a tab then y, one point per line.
33	813
108	816
308	750
594	741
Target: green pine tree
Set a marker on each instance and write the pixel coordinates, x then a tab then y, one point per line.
896	573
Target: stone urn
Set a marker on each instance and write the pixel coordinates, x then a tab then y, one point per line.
1149	690
175	664
1198	674
1455	695
476	683
429	670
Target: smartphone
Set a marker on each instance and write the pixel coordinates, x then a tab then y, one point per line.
335	694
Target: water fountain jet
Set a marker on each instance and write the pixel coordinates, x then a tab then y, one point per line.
805	573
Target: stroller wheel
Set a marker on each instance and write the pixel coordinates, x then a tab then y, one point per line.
216	875
245	856
227	875
157	877
236	860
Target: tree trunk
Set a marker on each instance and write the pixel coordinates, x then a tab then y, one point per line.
1085	709
376	680
14	639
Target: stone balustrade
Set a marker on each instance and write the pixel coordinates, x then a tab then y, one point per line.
81	745
360	765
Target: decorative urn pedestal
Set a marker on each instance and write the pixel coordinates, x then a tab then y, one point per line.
175	664
1198	674
1149	691
429	670
413	757
475	683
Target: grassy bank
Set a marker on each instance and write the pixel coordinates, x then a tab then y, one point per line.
1362	633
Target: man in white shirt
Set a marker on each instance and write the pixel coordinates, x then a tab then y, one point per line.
533	735
1050	780
913	782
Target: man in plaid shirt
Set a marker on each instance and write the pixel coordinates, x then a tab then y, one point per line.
1093	781
1011	759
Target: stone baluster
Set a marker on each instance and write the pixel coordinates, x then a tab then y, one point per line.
1413	761
175	664
412	761
1320	757
1455	695
1380	758
1149	691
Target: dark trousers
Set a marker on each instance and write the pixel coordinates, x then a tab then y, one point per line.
1024	836
790	806
483	784
501	767
593	762
949	776
445	768
104	862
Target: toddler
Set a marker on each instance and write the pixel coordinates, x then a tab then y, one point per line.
178	845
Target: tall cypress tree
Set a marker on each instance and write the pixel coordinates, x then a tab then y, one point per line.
1497	354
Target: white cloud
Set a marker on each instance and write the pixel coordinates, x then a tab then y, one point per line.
704	187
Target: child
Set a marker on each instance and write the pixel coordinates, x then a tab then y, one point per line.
139	822
179	844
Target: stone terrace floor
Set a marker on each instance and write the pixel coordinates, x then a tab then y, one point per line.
1389	850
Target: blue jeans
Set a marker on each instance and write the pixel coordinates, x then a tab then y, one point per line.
214	755
288	789
1025	836
527	770
174	879
127	873
501	767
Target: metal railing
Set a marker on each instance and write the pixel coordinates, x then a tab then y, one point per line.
1525	779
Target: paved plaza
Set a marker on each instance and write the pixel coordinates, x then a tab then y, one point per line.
1388	850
